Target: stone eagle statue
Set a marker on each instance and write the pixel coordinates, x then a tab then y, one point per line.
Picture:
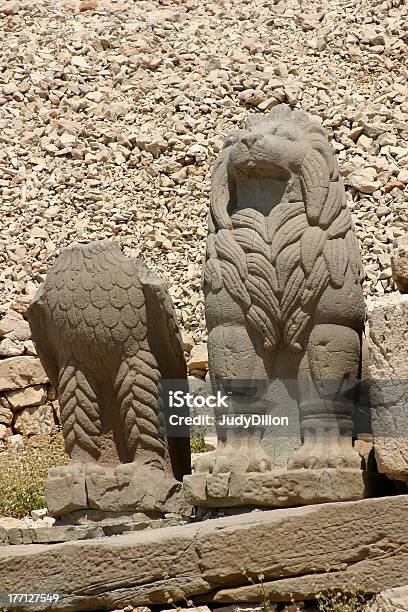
106	332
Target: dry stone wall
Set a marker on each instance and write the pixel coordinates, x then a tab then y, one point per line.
28	408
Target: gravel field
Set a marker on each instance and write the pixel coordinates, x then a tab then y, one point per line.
112	113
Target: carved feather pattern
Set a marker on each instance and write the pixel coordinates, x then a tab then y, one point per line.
259	266
137	393
252	242
311	247
341	225
286	263
251	219
228	249
234	284
288	233
333	205
336	259
264	325
79	411
112	310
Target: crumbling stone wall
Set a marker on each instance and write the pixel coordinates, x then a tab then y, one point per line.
28	408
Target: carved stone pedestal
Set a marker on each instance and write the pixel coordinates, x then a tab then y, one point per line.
123	489
285	489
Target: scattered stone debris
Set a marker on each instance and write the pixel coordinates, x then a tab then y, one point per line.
113	134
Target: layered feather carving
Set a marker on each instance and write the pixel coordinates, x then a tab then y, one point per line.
107	332
278	266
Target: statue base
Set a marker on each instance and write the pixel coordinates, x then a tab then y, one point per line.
279	490
126	488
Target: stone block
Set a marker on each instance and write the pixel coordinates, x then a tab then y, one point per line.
108	490
291	488
20	372
399	263
388	371
10	320
300	551
20	332
65	491
30	396
15	533
11	348
198	357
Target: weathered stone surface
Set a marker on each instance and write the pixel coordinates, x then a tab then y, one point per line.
20	332
11	348
390	600
364	180
19	372
10	8
88	5
283	297
30	396
48	535
6	415
17	532
34	420
106	332
291	488
123	489
5	432
198	358
388	370
65	490
9	322
399	264
298	550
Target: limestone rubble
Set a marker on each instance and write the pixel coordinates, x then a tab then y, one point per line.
113	133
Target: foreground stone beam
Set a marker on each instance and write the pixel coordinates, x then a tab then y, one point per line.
298	550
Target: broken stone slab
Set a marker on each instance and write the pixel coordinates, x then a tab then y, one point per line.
388	372
298	550
47	535
66	533
291	488
20	372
